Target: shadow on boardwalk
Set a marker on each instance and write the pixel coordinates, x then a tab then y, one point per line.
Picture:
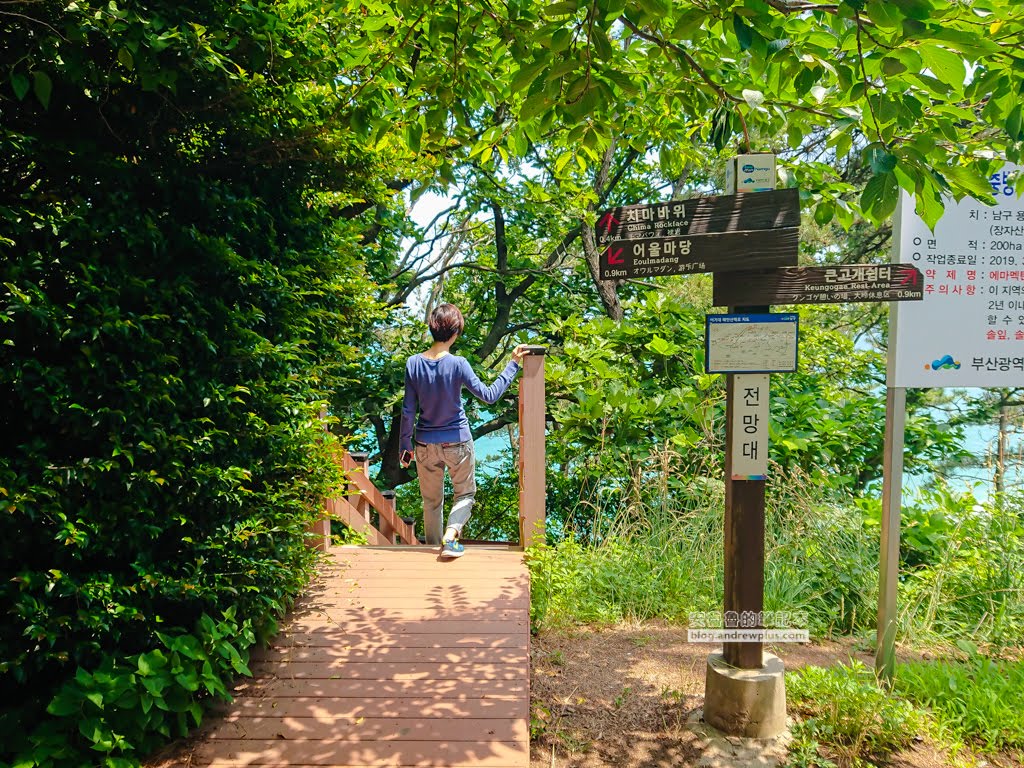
391	658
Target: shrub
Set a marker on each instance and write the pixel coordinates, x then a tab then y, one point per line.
976	701
844	711
178	299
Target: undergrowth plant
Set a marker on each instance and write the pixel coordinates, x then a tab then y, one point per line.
846	715
971	586
660	556
977	701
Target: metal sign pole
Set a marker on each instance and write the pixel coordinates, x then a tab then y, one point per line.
892	490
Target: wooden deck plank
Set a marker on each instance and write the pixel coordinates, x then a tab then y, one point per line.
330	636
396	626
369	729
392	658
426	708
332	653
378	689
337	752
360	670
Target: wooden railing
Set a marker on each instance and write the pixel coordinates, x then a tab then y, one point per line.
370	511
365	509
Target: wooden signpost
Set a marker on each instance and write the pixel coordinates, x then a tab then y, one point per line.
749	241
705	234
845	283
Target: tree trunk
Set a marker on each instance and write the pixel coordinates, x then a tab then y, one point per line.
606	289
1000	475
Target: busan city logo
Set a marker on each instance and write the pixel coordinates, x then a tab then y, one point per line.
945	363
749	168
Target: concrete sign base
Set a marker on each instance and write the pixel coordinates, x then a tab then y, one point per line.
746	702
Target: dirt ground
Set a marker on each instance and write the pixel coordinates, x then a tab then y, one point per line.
630	697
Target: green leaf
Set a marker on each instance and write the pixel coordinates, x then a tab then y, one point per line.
929	206
754	98
124	56
602	46
920	10
662	346
151	662
881	160
20	84
64	704
824	213
884	14
893	66
970	180
414	135
744	33
1014	127
880	195
526	75
43	87
971	44
564	8
946	65
533	106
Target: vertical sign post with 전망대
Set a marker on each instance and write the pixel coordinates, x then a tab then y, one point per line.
749	454
743	577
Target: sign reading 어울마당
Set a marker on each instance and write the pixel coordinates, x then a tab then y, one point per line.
968	331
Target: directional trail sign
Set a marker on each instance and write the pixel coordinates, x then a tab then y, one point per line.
706	234
820	285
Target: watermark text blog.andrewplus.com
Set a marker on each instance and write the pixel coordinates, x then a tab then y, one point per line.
747	627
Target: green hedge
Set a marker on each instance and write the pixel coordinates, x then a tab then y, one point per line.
178	299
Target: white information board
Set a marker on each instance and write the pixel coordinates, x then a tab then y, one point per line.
969	329
750	173
750	426
751	343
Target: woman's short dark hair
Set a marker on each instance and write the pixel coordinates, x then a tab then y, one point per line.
445	321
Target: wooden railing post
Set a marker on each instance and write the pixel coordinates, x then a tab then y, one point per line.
321	527
358	499
387	530
532	460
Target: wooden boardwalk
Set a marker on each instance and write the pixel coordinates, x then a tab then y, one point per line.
392	658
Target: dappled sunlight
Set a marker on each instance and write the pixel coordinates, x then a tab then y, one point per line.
391	657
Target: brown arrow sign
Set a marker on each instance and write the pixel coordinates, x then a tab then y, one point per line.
700	216
819	285
718	252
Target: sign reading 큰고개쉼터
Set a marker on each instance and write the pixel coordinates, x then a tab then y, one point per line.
841	283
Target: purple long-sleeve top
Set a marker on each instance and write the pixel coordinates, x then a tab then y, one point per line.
433	390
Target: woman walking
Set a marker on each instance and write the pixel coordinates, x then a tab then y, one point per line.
434	424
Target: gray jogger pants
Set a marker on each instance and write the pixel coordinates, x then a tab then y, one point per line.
431	461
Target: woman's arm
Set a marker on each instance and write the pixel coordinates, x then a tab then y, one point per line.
408	414
490	394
